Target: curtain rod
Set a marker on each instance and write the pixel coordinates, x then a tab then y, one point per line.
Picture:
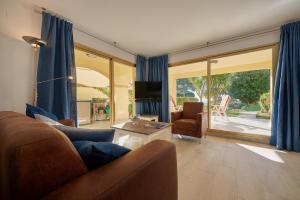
231	39
114	44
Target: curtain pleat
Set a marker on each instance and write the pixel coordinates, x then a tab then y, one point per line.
285	132
140	76
56	61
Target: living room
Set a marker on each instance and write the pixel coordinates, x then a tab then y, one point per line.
149	99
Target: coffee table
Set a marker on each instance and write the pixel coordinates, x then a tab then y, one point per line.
135	133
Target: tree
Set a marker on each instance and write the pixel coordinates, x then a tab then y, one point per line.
249	86
199	84
220	84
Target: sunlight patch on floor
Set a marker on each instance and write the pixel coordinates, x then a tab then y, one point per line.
264	152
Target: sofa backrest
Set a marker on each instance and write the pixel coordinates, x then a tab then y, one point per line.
35	158
190	109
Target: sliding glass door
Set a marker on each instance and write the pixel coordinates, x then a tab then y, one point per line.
93	90
105	89
236	90
240	92
188	83
124	105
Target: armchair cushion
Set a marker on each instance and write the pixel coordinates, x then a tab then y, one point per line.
95	135
186	124
96	154
190	109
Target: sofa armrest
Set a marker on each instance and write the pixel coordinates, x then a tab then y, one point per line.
147	173
67	122
202	121
95	135
176	115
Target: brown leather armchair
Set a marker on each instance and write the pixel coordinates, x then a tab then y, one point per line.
191	121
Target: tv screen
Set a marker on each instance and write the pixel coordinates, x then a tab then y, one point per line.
150	90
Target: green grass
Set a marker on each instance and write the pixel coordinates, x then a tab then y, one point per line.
251	108
233	113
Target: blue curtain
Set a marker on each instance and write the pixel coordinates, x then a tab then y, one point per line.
140	76
56	61
285	119
141	68
157	71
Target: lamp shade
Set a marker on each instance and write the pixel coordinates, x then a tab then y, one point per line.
35	42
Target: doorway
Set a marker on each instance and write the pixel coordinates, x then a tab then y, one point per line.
105	88
240	92
93	90
236	89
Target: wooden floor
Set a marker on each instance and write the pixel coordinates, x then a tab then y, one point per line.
220	168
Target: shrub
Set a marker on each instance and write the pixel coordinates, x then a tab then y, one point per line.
265	102
263	116
248	86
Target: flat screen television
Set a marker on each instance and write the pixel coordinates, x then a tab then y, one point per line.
148	90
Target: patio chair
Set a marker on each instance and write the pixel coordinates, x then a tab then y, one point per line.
221	109
173	106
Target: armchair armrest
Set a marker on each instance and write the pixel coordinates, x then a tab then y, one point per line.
176	115
202	121
67	122
95	135
133	176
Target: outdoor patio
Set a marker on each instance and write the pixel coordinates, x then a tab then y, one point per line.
244	123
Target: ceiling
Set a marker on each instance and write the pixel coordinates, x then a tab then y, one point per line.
162	26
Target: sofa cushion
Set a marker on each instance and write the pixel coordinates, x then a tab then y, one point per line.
186	124
96	154
190	109
32	110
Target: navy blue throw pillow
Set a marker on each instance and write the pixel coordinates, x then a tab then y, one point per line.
31	110
96	154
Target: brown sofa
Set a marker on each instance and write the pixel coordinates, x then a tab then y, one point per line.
191	121
38	161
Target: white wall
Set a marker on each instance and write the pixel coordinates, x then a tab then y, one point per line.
16	74
250	42
16	56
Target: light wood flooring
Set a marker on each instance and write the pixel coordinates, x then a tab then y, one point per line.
227	169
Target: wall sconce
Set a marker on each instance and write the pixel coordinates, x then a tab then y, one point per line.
34	42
